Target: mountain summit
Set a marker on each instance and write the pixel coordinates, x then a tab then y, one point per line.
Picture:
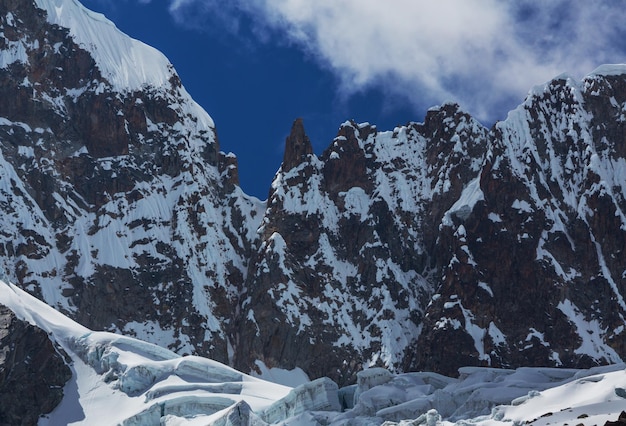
433	246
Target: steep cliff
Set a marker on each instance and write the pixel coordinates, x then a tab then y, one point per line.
534	272
345	258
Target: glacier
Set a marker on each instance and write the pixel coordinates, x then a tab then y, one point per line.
122	380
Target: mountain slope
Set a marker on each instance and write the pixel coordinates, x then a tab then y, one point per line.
435	245
144	382
118	206
536	275
345	258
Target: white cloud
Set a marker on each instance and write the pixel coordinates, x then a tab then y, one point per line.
210	15
485	54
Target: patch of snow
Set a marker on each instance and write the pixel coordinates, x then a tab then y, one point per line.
591	334
26	151
463	207
497	337
14	51
494	217
543	253
291	378
609	70
357	202
522	206
533	333
485	287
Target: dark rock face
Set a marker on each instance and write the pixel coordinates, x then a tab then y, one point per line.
431	246
297	146
32	372
621	420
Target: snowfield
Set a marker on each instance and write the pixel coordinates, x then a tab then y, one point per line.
125	381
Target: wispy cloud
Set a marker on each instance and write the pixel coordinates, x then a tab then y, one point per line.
218	17
485	54
202	14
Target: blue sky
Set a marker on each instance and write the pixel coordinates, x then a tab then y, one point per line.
256	65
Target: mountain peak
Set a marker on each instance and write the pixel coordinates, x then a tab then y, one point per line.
297	146
126	63
609	70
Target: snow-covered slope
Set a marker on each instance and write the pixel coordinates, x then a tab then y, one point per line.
128	64
121	380
536	274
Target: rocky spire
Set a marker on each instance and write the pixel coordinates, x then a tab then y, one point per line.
345	164
297	146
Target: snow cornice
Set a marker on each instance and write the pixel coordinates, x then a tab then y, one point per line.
126	63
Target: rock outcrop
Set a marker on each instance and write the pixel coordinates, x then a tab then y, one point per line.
32	371
297	146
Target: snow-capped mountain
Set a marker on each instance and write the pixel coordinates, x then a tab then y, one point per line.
535	273
117	206
347	240
432	246
443	244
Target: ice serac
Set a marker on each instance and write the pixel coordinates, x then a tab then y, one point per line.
145	384
117	205
318	395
